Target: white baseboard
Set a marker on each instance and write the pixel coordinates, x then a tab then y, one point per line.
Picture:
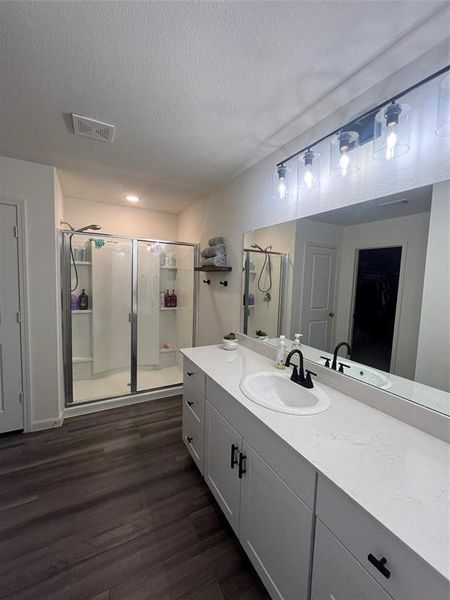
47	424
92	407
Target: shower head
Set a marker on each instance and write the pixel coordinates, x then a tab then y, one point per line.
93	226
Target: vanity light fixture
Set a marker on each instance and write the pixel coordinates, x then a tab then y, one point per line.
309	169
132	198
443	111
391	131
341	165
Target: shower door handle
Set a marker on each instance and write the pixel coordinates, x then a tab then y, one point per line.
130	317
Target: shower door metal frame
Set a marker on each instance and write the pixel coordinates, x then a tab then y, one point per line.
245	286
66	276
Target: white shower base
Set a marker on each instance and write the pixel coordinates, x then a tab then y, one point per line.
116	384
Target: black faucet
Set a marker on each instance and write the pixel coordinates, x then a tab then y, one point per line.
335	354
298	376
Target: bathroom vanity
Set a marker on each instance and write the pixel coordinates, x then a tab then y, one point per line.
348	503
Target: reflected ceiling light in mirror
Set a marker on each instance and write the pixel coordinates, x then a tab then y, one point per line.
342	164
309	170
443	111
391	133
132	198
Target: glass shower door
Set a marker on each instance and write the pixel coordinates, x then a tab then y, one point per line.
100	302
164	311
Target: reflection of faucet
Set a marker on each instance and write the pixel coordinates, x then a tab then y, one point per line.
335	354
299	377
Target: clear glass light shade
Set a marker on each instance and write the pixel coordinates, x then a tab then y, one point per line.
342	157
443	112
309	170
282	183
391	131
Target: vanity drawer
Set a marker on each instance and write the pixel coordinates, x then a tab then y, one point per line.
337	575
408	577
193	436
193	375
193	401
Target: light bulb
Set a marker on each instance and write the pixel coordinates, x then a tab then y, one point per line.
308	177
391	141
344	163
282	188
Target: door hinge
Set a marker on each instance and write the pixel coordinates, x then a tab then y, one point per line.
16	231
19	317
21	397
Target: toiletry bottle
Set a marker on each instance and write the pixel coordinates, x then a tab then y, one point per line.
73	302
297	342
167	300
83	300
174	299
161	300
281	353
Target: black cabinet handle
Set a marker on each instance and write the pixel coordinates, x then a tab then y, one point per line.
190	373
379	565
189	402
189	439
233	461
242	464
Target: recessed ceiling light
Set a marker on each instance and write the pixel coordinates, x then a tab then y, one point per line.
131	198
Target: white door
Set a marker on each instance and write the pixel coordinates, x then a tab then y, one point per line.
11	407
275	529
318	296
222	447
337	575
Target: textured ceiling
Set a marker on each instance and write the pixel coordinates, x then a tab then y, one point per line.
197	90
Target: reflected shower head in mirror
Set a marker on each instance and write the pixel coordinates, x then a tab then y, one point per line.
93	226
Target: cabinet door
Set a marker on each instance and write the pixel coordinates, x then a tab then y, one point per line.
275	529
337	575
222	445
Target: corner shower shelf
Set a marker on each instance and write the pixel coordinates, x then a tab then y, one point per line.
168	307
83	263
82	359
212	269
168	268
166	350
81	312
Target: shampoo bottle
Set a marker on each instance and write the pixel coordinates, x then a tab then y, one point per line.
83	300
174	299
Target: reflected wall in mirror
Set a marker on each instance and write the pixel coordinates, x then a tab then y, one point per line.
376	276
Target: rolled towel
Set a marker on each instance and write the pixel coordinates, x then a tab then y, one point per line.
218	250
215	241
213	261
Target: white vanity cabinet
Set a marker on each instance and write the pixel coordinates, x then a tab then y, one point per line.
273	524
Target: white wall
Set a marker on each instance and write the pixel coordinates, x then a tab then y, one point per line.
433	353
247	202
34	184
411	233
122	220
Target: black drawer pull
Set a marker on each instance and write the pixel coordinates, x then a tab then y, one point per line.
189	439
234	461
189	402
379	564
242	464
190	373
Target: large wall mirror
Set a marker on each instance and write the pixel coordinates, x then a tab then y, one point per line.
374	275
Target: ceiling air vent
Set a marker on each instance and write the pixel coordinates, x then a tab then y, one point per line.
92	129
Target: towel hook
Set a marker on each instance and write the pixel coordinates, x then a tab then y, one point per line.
224	283
207	281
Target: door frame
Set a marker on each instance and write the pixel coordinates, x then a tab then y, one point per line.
398	308
307	244
19	205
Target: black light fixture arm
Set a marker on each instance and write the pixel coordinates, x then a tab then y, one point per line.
366	114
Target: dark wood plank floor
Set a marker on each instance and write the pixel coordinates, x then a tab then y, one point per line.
111	507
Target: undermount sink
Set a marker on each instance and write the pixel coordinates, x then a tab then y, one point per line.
277	392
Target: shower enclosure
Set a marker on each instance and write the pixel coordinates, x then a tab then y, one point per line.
264	273
128	306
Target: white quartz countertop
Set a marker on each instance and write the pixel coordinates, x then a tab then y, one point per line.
397	473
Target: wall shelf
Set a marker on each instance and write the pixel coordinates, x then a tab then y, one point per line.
166	350
82	312
212	269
